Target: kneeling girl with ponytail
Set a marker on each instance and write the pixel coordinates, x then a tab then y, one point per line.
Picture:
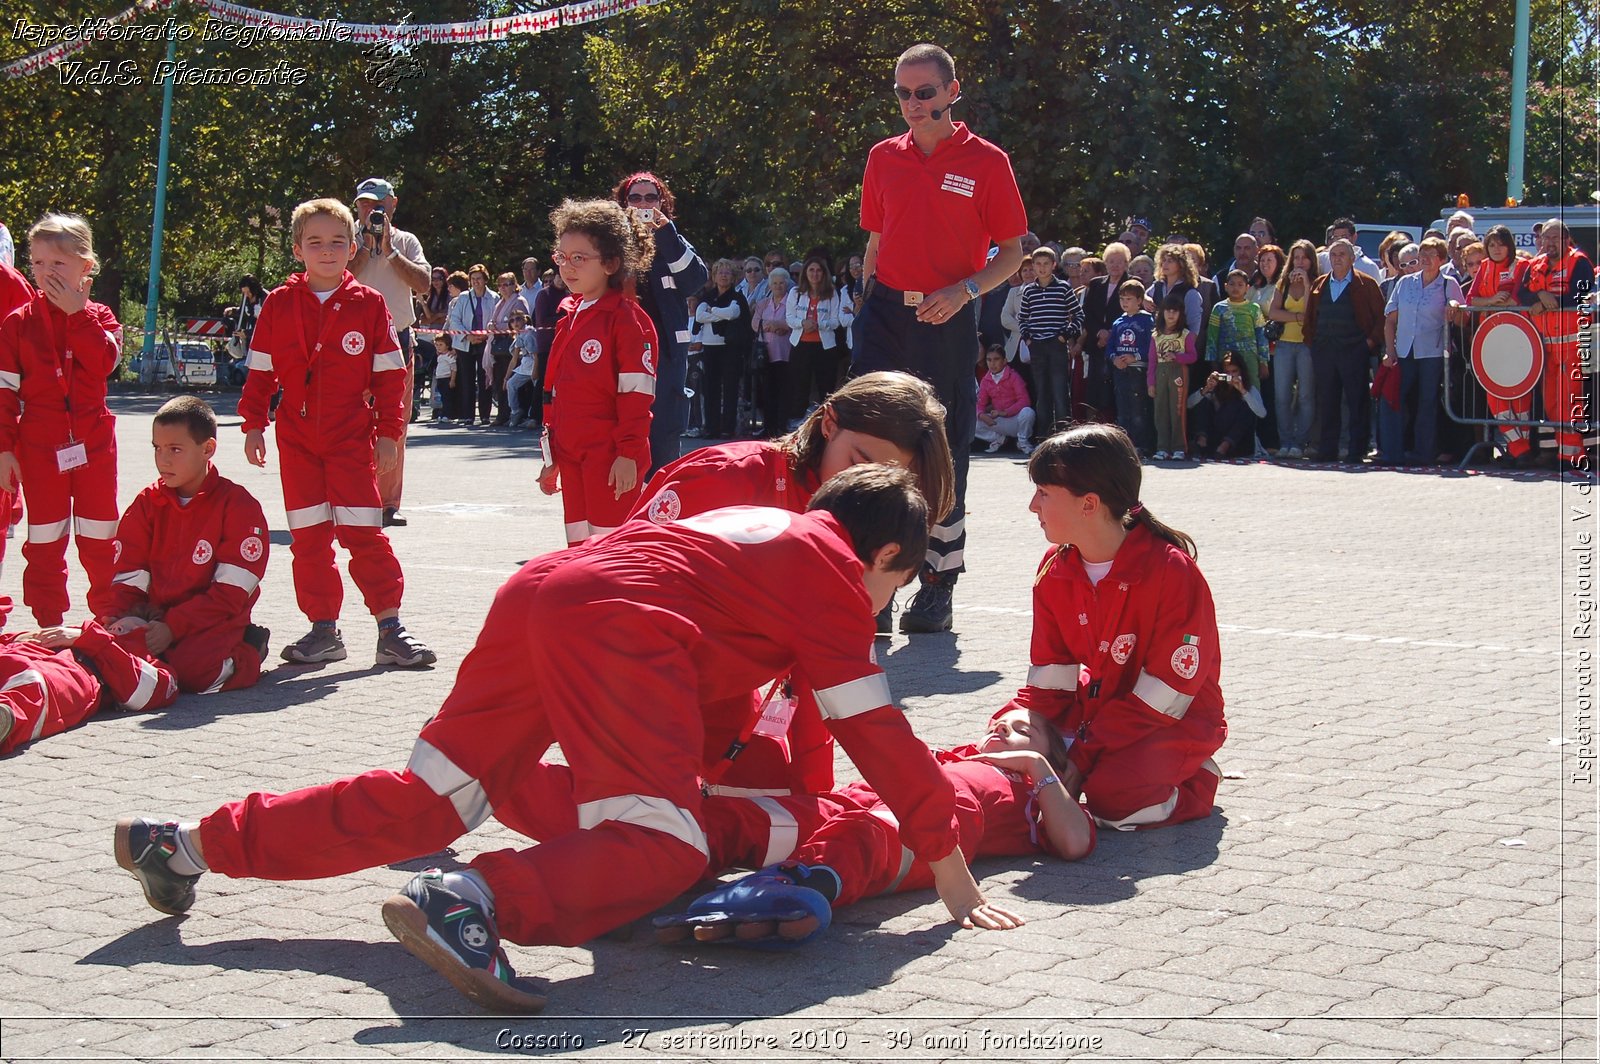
1124	658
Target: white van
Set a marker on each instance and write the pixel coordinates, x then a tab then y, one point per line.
1371	234
1580	221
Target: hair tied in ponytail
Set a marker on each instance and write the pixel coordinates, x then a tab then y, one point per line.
1136	509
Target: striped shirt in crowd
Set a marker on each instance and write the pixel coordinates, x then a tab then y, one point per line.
1049	312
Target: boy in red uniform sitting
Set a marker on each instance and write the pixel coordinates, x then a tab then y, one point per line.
190	554
327	340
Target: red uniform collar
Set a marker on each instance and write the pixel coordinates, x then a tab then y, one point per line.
612	295
962	135
298	281
1136	558
167	495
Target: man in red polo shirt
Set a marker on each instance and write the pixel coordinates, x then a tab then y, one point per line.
932	201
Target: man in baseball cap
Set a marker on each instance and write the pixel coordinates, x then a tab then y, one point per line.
390	260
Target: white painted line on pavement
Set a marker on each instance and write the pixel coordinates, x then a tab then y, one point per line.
1306	633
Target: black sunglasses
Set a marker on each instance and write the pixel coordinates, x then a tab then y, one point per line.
925	93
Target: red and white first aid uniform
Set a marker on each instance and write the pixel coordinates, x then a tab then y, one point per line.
196	566
327	355
1569	278
1130	667
15	291
853	832
1504	278
53	415
49	691
602	377
750	473
617	651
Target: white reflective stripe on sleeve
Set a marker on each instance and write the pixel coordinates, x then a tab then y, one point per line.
47	533
23	679
358	516
684	336
949	533
1150	814
429	764
1160	696
906	856
258	360
114	338
577	531
596	531
944	563
1212	767
858	696
682	263
645	811
139	578
1054	677
784	833
388	360
669	282
223	676
148	678
89	528
717	790
237	576
307	516
11	380
636	382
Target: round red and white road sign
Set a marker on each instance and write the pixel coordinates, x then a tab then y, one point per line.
1507	355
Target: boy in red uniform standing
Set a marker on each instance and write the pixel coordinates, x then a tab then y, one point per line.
327	340
1125	652
56	432
54	679
619	651
191	551
602	373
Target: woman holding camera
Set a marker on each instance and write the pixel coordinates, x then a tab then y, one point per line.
676	272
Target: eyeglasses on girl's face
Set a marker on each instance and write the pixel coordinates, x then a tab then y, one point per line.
578	259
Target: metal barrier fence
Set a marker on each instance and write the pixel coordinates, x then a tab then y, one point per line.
1507	366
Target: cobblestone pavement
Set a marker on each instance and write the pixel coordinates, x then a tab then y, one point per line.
1402	864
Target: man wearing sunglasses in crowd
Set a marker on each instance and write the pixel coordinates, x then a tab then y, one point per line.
932	201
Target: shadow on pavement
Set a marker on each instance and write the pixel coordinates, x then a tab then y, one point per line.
911	663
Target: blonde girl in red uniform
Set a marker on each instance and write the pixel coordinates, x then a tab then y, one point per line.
602	372
56	352
1125	656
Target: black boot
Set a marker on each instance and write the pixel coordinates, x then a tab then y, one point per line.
931	610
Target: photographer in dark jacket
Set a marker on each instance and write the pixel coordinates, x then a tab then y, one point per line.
676	273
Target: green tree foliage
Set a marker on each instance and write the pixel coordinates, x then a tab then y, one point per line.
760	113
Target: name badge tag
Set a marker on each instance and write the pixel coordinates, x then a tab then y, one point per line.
71	456
774	722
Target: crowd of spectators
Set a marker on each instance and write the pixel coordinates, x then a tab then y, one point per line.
1262	356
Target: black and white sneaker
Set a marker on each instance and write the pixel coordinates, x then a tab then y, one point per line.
319	644
458	939
396	646
144	847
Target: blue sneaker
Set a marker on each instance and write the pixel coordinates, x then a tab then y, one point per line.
457	938
780	907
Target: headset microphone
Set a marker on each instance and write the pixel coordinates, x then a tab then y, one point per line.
938	113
